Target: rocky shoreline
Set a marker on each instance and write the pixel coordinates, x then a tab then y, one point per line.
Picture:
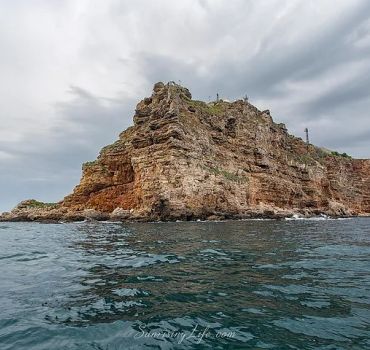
46	213
190	160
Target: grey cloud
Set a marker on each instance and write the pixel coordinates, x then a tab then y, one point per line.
343	95
53	166
263	74
211	47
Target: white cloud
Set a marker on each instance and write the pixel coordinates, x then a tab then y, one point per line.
72	71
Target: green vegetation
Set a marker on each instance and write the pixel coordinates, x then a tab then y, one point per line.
306	159
228	175
214	108
321	152
102	167
33	203
318	154
337	154
113	147
87	164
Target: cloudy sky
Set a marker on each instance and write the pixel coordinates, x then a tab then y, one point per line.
72	72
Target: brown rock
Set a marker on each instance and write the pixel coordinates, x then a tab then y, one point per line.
120	214
92	214
186	159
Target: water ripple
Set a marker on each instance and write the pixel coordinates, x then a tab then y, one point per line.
298	284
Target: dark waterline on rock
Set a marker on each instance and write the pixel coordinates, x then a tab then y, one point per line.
301	284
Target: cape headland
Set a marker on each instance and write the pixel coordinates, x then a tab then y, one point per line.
186	160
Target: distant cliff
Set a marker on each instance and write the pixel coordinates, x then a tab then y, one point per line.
186	159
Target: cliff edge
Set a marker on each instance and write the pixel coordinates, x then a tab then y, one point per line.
185	159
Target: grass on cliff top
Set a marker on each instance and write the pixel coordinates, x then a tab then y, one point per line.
87	164
213	108
343	155
322	153
116	146
33	203
318	154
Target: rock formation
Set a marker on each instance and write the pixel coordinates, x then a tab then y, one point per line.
185	159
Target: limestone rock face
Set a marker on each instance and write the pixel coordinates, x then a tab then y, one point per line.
187	159
31	209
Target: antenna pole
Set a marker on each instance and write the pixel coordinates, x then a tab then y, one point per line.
307	139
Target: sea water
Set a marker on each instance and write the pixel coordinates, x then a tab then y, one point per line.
298	284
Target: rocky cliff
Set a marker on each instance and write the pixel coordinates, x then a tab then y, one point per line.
186	159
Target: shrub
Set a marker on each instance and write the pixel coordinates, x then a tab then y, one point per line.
337	154
87	164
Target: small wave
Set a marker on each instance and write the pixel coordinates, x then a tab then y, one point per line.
149	259
212	251
129	292
150	278
11	256
312	218
33	258
253	310
257	219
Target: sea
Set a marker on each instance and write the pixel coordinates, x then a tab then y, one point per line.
254	284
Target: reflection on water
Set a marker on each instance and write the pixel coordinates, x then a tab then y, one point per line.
247	284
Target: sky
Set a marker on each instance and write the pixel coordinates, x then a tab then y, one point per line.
73	71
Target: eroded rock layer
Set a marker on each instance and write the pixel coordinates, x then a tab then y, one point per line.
186	159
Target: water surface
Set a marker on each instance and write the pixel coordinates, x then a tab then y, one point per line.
301	284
